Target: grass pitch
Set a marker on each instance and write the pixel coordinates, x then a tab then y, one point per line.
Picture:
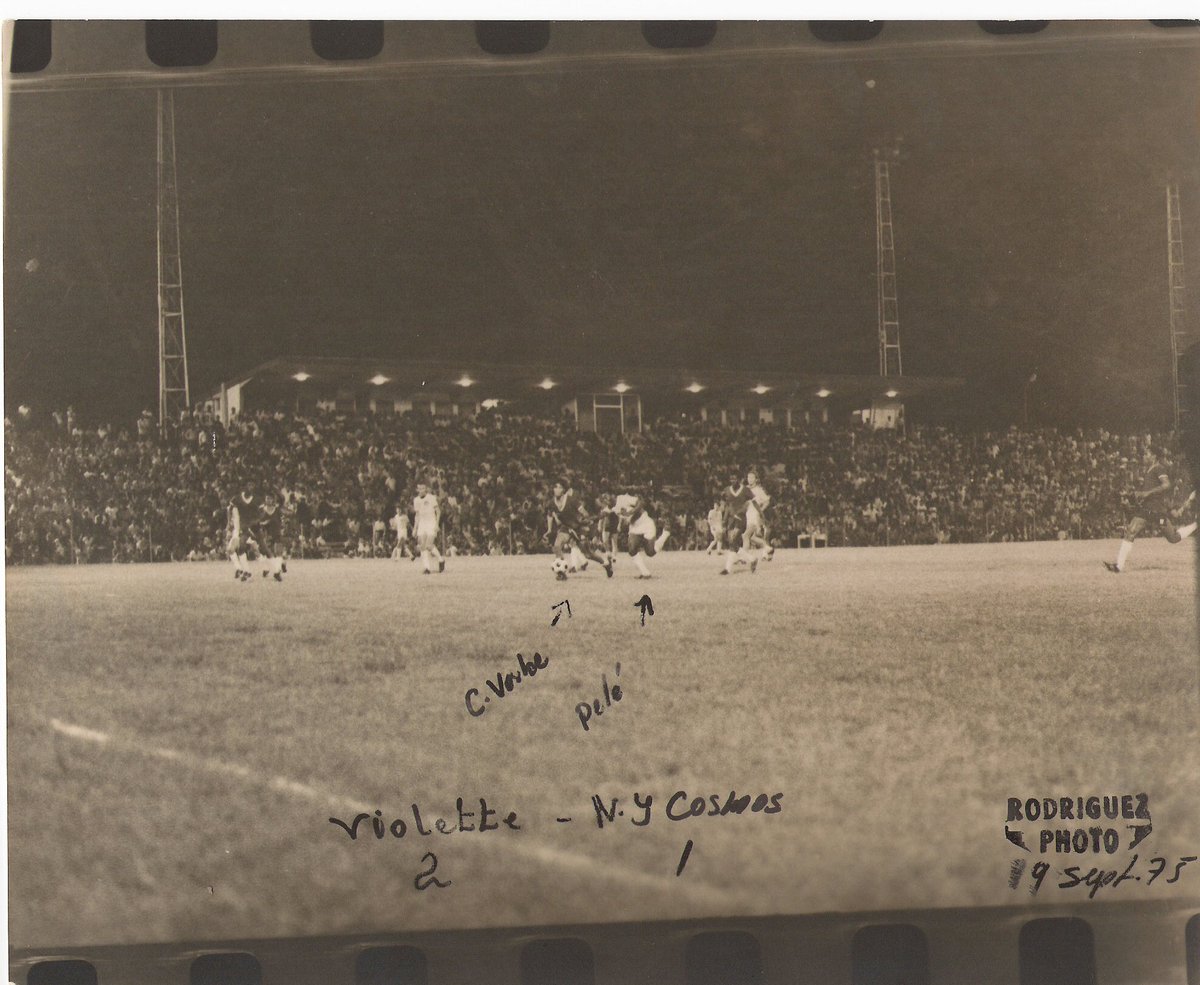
178	741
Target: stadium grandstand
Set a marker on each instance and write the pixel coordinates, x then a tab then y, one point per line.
78	493
604	400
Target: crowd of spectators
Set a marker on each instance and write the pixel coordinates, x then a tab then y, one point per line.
85	494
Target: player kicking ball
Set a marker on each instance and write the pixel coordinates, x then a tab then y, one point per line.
1155	510
565	516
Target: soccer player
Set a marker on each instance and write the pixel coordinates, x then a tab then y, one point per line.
733	512
428	513
716	527
1154	509
268	534
238	514
609	527
756	515
565	519
399	525
644	539
743	523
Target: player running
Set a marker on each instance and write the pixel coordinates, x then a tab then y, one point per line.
267	531
608	526
1154	509
733	513
428	513
644	539
238	514
716	528
399	525
565	519
743	525
756	516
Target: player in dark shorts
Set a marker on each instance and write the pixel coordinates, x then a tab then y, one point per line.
268	534
734	498
1160	504
566	521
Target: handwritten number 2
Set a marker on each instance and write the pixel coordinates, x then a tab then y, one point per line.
1162	864
427	878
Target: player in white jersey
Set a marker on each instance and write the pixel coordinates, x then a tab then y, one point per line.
761	504
716	527
428	513
756	511
239	514
644	539
399	525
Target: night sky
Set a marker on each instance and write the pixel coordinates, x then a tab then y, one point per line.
700	212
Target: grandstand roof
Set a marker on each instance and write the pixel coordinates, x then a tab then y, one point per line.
506	381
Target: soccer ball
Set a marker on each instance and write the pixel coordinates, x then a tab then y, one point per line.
559	567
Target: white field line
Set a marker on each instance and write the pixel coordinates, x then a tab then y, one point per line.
694	890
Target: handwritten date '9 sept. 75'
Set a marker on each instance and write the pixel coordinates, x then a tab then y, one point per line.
1096	878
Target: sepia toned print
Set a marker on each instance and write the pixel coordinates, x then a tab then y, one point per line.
579	480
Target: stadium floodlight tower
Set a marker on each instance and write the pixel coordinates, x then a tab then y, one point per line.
885	242
174	396
1179	334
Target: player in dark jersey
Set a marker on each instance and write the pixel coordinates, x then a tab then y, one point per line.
736	499
566	523
240	512
1159	505
268	534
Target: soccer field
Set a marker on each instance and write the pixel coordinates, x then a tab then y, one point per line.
178	741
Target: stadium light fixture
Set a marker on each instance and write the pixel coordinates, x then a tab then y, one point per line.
465	381
301	376
892	393
823	393
547	384
622	387
490	403
760	389
694	388
379	379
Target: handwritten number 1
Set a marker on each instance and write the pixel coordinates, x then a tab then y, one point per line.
427	878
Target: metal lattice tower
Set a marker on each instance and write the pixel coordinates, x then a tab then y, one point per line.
1179	334
889	305
174	395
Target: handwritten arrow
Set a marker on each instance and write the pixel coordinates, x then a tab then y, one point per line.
646	606
1016	837
1140	833
554	621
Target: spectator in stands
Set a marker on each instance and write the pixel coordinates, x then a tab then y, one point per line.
76	494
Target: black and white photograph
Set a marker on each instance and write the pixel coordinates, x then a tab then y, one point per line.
602	501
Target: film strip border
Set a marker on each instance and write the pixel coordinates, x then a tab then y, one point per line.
49	54
1117	944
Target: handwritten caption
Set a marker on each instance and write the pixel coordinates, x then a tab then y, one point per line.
605	812
1097	878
